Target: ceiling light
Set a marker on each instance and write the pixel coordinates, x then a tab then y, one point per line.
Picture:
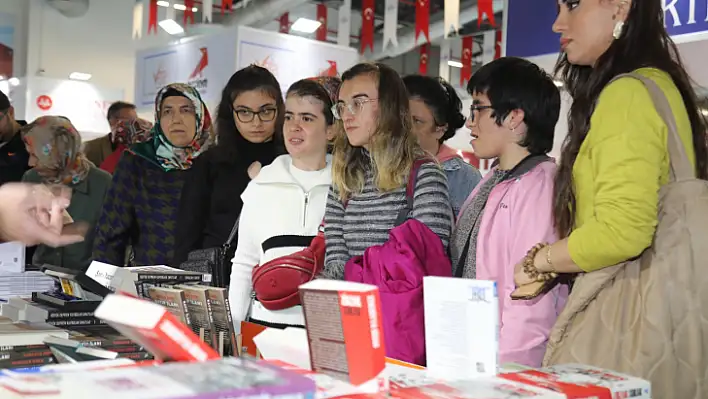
163	3
454	64
195	9
179	7
704	111
171	27
305	25
13	81
80	76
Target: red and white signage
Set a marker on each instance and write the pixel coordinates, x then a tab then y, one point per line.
44	102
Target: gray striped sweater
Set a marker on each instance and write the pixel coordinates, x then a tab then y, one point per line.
371	214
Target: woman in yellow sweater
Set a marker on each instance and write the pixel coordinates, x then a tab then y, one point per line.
615	157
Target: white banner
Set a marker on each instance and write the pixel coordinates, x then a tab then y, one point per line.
345	23
444	58
138	19
282	55
207	63
207	9
390	24
452	17
489	46
83	103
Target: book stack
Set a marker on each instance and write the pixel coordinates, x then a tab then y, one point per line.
205	310
138	280
21	343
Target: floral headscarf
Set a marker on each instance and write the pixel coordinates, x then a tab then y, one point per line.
330	84
129	132
56	144
158	148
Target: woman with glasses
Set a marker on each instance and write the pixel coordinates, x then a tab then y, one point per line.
283	206
513	117
373	157
141	206
249	124
437	114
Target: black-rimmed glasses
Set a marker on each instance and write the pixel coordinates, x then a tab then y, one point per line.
247	115
476	108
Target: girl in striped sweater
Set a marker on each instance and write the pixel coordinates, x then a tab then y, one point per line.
374	152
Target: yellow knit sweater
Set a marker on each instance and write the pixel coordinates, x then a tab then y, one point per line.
621	166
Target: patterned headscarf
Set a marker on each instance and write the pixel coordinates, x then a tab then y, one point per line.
129	132
56	144
331	85
158	148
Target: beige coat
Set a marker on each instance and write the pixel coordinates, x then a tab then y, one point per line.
98	150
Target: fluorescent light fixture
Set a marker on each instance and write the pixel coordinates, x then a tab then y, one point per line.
179	6
171	27
704	111
558	83
163	3
13	81
454	64
305	25
195	9
80	76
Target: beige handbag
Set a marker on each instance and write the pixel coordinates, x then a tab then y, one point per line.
649	317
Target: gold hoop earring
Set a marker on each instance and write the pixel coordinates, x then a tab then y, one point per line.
617	31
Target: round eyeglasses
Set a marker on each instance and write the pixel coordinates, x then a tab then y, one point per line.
247	115
477	107
354	107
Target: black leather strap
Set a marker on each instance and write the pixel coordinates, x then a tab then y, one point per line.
287	241
234	230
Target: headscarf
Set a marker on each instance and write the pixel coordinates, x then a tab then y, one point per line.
129	132
330	84
158	148
56	144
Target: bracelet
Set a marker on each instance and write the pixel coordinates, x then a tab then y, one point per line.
548	259
529	267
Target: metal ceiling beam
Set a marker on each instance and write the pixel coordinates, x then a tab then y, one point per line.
259	13
407	42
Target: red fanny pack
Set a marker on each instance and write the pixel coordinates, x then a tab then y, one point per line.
276	283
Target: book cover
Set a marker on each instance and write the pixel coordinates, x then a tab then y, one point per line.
155	328
223	322
173	300
200	312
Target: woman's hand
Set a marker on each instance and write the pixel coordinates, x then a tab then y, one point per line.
520	277
33	215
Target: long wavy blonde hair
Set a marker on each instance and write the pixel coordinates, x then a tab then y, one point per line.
393	147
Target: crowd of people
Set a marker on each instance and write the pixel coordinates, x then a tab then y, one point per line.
351	177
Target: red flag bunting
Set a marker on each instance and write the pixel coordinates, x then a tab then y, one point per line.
424	57
152	16
485	7
367	25
422	19
321	33
284	21
466	71
498	46
227	5
188	12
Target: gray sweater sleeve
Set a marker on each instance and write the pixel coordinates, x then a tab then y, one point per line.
337	254
431	201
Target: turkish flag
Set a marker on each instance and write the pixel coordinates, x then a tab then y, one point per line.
227	5
498	45
424	57
367	25
422	19
321	33
284	21
152	16
485	7
466	71
188	12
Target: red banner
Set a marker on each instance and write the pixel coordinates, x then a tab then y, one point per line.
485	7
321	33
152	16
227	5
466	71
188	12
498	45
422	19
367	25
424	57
284	21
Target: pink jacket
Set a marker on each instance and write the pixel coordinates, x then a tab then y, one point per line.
518	215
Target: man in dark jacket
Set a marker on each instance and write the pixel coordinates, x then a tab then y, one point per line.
13	154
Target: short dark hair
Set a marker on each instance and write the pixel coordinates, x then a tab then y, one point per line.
4	102
441	98
253	77
515	83
312	88
116	107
